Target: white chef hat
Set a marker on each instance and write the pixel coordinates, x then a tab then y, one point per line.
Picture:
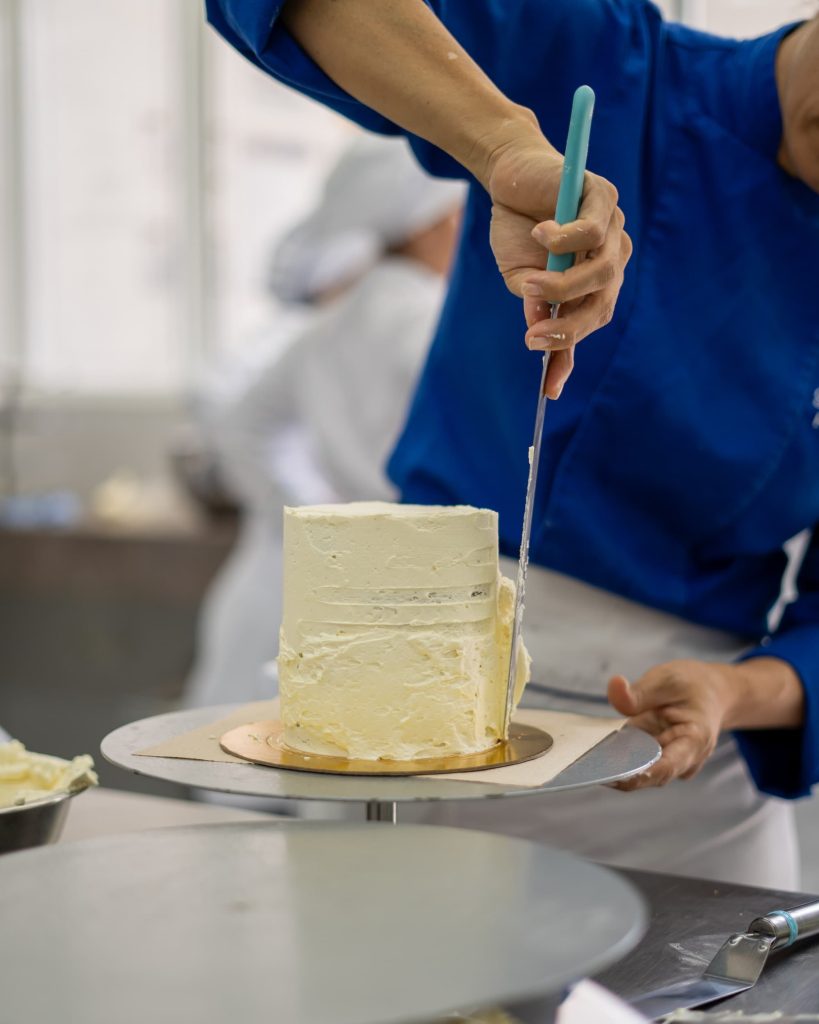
375	197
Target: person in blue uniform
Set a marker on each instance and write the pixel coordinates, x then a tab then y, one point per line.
684	452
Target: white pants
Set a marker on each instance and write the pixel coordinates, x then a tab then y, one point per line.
716	825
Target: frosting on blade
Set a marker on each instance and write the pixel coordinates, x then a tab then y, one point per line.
396	631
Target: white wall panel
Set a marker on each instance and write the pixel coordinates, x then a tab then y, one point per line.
10	327
747	18
103	197
669	8
268	149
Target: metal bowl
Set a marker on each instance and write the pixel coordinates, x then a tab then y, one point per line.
33	824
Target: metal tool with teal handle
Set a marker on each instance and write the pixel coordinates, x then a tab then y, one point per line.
568	204
737	965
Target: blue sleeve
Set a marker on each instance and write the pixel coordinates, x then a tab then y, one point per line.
577	41
785	762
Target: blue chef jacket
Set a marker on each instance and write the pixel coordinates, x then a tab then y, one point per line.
685	449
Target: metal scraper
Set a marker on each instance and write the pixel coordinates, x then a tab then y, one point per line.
738	964
568	203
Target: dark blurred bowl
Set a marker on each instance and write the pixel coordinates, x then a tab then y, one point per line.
34	824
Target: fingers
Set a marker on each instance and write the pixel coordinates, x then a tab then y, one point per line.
600	275
574	322
589	231
589	276
638	702
621	697
658	688
560	368
561	361
602	266
681	759
535	311
670	702
586	293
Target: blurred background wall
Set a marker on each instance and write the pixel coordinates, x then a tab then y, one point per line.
146	172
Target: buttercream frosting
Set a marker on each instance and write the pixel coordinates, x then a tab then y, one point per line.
396	631
26	777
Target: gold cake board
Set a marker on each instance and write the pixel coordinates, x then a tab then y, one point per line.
263	743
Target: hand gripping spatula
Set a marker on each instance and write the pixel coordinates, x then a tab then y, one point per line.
568	203
737	965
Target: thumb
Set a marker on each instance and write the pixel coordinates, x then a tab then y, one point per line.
623	697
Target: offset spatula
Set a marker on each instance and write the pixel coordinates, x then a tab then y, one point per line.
568	203
738	964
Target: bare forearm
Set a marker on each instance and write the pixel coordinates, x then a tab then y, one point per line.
765	693
399	59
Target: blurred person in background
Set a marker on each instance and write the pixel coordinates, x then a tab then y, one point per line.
317	421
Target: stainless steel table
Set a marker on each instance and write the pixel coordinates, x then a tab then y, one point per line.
690	919
620	756
302	923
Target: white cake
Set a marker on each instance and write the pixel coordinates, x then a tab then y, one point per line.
396	631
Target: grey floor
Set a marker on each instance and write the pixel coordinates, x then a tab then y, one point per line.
807	817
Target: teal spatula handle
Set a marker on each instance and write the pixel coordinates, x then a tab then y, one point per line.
574	169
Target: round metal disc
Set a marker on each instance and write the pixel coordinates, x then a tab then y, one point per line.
263	743
312	923
622	755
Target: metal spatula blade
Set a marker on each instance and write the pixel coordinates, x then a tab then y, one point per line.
568	203
737	965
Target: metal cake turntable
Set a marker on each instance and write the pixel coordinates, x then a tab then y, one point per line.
303	923
319	922
620	756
